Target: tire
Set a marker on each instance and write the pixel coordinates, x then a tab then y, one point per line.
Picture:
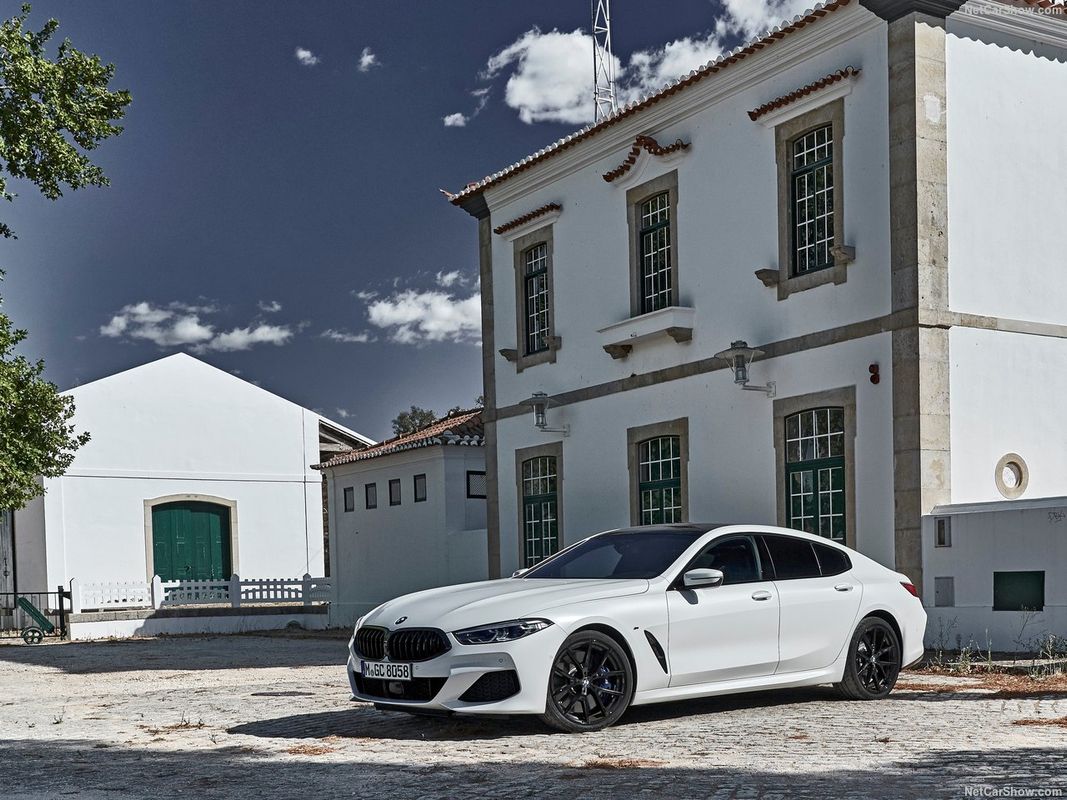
873	661
591	683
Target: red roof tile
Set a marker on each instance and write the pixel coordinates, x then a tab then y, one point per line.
803	91
537	212
460	428
648	144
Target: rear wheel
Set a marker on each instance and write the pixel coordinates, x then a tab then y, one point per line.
591	683
873	661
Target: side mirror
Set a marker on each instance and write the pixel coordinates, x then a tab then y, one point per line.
520	572
697	578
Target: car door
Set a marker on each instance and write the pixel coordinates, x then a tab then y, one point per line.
725	632
818	611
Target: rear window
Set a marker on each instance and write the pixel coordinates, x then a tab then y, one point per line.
831	560
792	558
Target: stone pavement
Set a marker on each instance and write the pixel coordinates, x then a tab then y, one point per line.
269	716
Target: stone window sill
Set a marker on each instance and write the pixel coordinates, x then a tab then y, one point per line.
619	339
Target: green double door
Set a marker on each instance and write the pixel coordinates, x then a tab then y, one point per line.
191	541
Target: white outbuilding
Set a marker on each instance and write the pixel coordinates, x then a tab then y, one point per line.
191	474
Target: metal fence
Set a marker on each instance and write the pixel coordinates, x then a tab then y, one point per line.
14	618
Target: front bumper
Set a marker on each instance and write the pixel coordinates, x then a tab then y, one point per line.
438	684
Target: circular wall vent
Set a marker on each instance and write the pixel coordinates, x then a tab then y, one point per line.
1011	476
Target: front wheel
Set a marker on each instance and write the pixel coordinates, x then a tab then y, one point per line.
873	661
591	684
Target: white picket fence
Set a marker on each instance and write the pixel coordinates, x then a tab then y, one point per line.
234	592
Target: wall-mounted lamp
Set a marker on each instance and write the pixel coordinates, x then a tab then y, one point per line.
740	356
540	403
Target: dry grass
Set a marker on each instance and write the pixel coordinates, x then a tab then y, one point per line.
310	750
1057	721
622	763
999	686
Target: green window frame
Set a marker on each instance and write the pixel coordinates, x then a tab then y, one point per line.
540	509
536	298
656	275
659	480
812	200
815	477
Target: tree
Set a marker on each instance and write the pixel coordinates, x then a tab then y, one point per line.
410	421
36	437
52	110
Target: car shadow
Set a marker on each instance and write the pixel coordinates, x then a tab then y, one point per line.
365	722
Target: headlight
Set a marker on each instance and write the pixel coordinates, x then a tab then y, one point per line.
500	631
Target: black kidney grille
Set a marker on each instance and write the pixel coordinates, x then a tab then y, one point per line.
418	644
370	643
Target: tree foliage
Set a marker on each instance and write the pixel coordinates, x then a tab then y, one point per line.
51	110
410	421
36	437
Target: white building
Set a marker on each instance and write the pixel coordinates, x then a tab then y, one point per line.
407	514
862	195
191	473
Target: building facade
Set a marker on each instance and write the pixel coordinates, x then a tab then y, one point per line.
841	199
407	514
191	474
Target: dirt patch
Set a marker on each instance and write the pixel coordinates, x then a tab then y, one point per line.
310	750
1057	721
999	686
622	763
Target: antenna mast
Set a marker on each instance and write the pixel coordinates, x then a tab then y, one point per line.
603	61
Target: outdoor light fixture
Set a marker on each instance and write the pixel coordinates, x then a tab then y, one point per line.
540	403
740	356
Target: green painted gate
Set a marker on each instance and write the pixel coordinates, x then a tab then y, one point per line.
191	541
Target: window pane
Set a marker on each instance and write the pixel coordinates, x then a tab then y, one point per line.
1019	591
420	488
660	480
394	492
350	498
831	560
370	495
813	201
476	485
735	558
793	558
656	280
536	299
540	524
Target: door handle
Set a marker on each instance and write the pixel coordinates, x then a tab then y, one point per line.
761	595
844	587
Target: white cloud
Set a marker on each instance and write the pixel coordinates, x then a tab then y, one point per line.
550	74
347	337
306	57
343	413
245	338
270	306
447	279
180	325
456	120
459	119
368	60
418	317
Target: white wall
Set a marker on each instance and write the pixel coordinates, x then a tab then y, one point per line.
727	221
1007	394
381	553
731	447
988	538
1007	120
178	426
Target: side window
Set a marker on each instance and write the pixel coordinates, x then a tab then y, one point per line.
420	488
370	495
734	557
792	558
350	498
831	560
394	492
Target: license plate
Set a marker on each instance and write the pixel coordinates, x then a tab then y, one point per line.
386	671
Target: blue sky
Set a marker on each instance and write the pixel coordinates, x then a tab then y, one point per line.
274	206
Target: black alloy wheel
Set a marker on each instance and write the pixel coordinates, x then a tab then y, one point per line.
591	683
873	662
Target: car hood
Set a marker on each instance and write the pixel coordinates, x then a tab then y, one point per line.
466	605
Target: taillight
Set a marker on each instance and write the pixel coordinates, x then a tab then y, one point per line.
911	588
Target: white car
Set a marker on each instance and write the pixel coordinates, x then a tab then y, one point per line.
643	615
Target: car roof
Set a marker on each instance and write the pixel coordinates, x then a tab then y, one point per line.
741	527
681	527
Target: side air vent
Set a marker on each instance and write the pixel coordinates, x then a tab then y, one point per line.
657	650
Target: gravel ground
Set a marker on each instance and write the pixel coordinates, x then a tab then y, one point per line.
270	716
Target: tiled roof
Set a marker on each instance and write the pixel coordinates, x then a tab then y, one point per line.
803	91
722	62
463	428
537	212
648	144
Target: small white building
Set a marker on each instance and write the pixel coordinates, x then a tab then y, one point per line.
844	194
191	473
407	514
995	574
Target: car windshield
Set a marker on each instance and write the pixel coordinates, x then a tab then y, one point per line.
623	554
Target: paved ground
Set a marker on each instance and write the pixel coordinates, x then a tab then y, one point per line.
259	716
